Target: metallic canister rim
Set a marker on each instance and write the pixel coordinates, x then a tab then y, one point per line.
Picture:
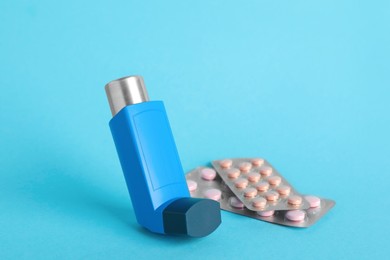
125	91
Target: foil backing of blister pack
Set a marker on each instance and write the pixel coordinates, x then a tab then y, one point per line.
203	186
312	215
281	203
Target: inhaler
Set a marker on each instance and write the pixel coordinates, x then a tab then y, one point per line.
151	164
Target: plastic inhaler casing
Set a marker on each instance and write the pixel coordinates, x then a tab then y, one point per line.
151	164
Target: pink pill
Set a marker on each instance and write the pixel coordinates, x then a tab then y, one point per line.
284	190
295	200
253	177
313	201
257	161
241	183
213	194
192	185
295	215
266	171
259	202
268	213
272	196
236	203
227	163
262	186
233	173
245	166
250	192
274	180
208	174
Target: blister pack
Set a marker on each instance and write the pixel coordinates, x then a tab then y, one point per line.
203	182
293	218
259	185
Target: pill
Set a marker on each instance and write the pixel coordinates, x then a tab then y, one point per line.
250	192
241	183
314	201
208	174
213	194
233	173
227	163
192	185
295	215
236	203
274	180
262	186
295	200
253	177
268	213
245	166
257	161
259	202
266	171
272	196
284	190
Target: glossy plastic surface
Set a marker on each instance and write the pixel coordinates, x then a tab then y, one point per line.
149	160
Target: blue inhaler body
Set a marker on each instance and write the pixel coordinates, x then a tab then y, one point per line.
151	164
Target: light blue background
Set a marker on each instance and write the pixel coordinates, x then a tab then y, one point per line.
304	84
